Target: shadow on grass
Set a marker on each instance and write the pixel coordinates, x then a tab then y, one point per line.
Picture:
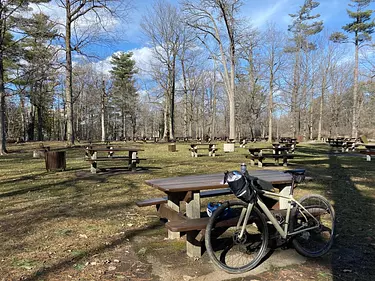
354	248
69	262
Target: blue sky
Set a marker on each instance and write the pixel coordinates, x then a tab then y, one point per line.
333	13
259	12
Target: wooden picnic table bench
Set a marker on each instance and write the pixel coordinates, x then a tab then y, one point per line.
210	146
257	154
370	150
187	192
91	155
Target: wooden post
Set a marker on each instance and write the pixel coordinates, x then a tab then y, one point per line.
174	204
93	167
133	159
193	247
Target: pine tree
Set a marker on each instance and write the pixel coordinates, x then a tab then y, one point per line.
304	25
125	93
361	27
10	18
39	71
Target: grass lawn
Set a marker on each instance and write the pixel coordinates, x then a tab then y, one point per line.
74	225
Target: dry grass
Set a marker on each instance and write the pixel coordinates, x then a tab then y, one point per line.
74	225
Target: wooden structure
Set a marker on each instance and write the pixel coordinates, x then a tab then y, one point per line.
370	150
172	147
184	193
211	149
132	159
278	152
55	160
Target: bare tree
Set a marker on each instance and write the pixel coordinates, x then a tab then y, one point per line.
207	17
76	38
274	59
162	25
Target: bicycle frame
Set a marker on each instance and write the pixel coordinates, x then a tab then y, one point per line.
245	214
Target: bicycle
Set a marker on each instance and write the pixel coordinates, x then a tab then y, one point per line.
238	243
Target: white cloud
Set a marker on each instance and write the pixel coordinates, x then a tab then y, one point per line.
261	17
143	57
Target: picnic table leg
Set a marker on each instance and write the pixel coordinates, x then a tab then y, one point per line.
252	162
93	168
285	161
260	162
174	204
132	160
193	247
368	157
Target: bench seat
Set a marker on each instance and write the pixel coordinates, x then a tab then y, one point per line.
211	151
197	224
113	158
261	157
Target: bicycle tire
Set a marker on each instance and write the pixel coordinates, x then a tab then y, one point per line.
222	241
316	242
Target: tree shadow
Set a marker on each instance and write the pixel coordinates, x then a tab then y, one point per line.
354	248
69	262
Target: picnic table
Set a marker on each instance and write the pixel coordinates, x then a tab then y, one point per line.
189	190
278	151
211	147
111	154
370	150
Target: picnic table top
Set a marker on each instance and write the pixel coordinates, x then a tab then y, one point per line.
369	145
282	148
206	143
116	149
212	181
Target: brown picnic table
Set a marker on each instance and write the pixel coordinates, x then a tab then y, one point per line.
258	153
211	147
185	193
93	156
370	150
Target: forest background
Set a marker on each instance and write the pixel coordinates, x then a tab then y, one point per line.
207	68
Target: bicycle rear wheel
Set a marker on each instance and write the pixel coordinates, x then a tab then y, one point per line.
316	242
224	246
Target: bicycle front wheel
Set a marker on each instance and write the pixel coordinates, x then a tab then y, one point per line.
316	242
226	247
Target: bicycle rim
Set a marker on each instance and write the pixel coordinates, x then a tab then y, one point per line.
315	242
226	249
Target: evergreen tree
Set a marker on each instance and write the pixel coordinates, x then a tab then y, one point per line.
304	25
39	70
10	18
125	96
361	27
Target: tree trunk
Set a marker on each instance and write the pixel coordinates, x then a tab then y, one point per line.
166	118
270	106
3	149
102	112
321	108
40	122
172	96
68	78
295	95
355	93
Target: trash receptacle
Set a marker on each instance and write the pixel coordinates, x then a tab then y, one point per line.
55	160
172	147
